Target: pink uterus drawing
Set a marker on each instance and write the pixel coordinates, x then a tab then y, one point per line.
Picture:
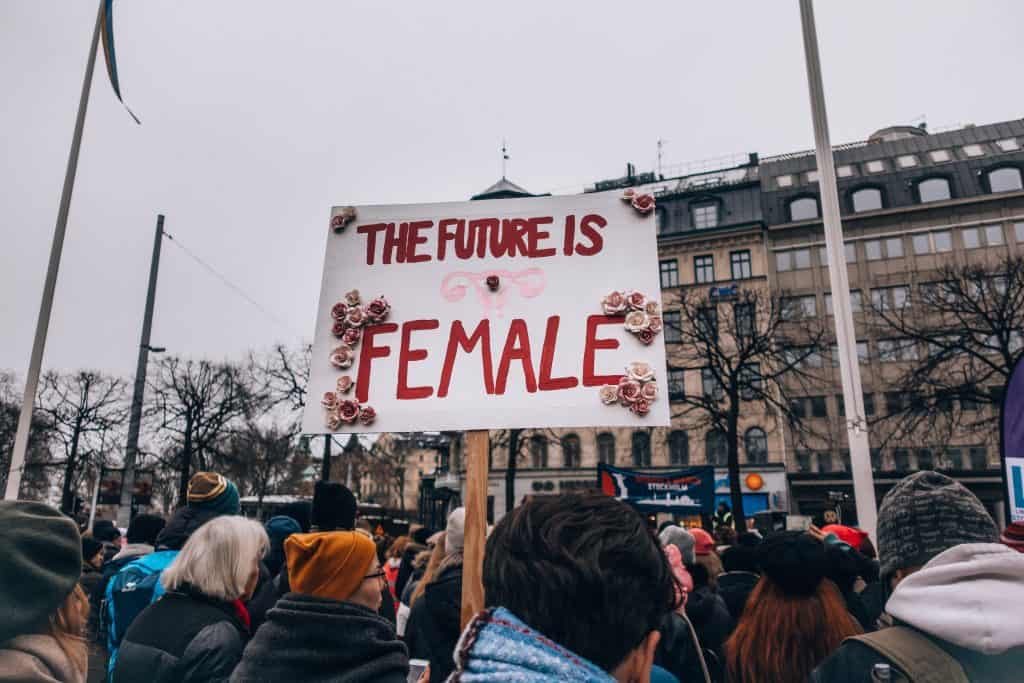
530	283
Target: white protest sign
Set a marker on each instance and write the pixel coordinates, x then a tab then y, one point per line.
489	314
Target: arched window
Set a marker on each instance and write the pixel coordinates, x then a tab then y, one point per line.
716	448
866	199
570	450
678	448
641	449
539	451
756	443
933	190
606	448
803	209
1006	179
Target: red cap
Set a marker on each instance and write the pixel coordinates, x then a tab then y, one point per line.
847	534
1013	536
703	542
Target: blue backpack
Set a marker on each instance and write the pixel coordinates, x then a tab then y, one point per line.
132	589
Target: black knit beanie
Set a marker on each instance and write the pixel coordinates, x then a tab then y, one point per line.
925	514
794	561
40	564
334	507
145	528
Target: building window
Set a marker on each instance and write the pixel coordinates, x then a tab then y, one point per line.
803	209
795	259
1018	231
704	268
901	457
712	388
866	199
894	247
798	307
844	171
895	402
750	381
869	404
862	353
925	459
606	448
933	242
641	449
571	451
876	459
812	176
855	302
940	156
784	181
539	451
745	318
705	215
707	323
985	236
809	406
669	273
973	150
994	235
740	263
953	459
979	457
756	443
825	463
676	384
672	321
891	247
851	252
716	448
1008	145
678	448
907	161
895	350
875	166
1006	179
890	298
803	461
933	190
663	220
873	250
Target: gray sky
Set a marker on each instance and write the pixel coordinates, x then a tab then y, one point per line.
259	116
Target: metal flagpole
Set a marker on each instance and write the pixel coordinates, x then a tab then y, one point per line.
43	324
846	338
124	511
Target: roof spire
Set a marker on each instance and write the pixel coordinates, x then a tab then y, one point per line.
504	158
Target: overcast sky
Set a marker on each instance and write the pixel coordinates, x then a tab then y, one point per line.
258	116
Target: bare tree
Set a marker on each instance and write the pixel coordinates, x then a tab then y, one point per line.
198	405
285	372
82	407
263	459
953	344
35	482
753	349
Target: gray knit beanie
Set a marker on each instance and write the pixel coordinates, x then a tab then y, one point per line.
681	539
40	564
926	514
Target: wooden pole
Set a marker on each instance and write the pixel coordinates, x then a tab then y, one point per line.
477	442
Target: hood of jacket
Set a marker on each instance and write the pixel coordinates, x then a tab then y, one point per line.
307	638
182	524
497	646
970	595
37	657
132	550
702	604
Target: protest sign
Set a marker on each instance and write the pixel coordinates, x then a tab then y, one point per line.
1012	443
689	491
536	312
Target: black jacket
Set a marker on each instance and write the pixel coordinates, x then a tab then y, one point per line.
182	637
735	588
307	639
710	618
677	651
435	623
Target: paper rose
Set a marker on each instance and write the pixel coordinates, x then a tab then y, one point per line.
351	336
356	317
614	303
646	337
348	411
637	301
609	394
345	384
644	203
628	194
352	298
333	422
493	282
641	371
652	308
636	321
655	324
330	400
367	415
342	357
641	407
378	310
343	218
339	328
628	391
649	391
339	311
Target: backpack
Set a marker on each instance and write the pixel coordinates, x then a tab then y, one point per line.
129	591
915	655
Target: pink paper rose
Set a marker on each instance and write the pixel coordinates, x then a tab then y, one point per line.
614	303
641	371
343	218
338	329
378	310
351	336
644	203
641	407
330	400
609	394
333	421
645	336
352	298
345	384
628	391
655	323
342	357
628	194
339	311
367	415
356	317
652	308
637	301
649	391
636	321
348	411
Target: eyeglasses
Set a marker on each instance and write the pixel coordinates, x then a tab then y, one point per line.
378	575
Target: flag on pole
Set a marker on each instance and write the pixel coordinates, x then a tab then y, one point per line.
107	33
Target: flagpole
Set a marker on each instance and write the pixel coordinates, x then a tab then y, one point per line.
43	323
846	337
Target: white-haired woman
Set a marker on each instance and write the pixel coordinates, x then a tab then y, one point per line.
198	629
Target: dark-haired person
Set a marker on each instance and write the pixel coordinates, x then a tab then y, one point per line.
739	579
577	588
104	531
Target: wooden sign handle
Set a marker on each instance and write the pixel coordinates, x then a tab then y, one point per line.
477	447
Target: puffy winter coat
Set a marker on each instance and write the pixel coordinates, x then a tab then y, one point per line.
37	659
182	637
967	600
435	622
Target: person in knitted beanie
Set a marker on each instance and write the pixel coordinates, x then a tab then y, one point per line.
213	492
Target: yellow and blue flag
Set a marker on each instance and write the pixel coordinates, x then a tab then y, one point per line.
107	34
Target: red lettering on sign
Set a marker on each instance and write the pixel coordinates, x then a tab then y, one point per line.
367	352
445	235
547	359
415	238
536	235
408	355
595	237
371	238
458	338
517	347
570	234
593	344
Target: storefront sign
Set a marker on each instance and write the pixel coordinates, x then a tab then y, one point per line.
489	314
690	491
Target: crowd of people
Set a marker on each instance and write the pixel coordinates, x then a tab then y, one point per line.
577	588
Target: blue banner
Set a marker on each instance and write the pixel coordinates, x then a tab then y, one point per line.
690	491
1012	442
